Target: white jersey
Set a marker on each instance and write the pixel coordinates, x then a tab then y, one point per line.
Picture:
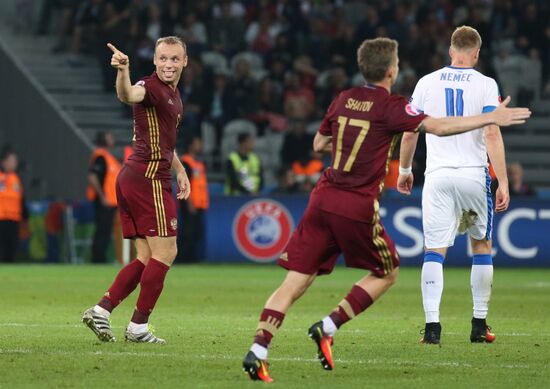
453	91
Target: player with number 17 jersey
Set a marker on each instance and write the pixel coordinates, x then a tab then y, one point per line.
364	123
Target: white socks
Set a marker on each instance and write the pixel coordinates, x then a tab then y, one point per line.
329	327
136	328
259	351
481	281
432	285
102	311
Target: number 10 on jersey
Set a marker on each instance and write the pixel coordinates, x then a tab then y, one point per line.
452	103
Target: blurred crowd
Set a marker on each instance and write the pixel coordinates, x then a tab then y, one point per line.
279	63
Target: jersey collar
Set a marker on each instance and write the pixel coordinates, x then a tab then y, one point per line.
458	68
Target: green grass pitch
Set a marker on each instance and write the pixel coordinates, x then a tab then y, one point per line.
208	315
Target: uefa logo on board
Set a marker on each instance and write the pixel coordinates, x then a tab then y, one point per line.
261	229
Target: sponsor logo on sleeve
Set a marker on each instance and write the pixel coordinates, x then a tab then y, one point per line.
411	110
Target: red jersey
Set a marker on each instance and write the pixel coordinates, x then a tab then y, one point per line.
365	124
156	121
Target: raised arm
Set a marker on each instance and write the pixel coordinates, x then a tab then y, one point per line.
125	91
502	116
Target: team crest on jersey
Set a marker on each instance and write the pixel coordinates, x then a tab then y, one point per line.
174	224
411	111
262	229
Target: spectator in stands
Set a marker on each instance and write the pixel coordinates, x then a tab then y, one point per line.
297	143
228	32
517	186
194	93
260	35
269	108
217	108
12	205
308	170
337	81
102	174
195	207
113	28
193	32
243	90
244	173
171	14
286	182
299	101
87	24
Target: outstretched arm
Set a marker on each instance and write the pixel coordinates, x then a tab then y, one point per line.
502	116
495	150
125	91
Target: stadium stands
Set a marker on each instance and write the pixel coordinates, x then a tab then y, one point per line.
316	43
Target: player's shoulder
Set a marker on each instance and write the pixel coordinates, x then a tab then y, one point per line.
490	81
430	77
148	81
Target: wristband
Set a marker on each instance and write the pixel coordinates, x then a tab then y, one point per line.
404	171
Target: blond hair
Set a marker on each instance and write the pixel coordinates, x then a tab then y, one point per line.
465	38
375	56
171	40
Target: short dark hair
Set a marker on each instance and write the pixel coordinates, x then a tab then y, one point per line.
375	56
191	140
243	137
6	151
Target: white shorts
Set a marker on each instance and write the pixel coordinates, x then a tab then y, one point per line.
456	201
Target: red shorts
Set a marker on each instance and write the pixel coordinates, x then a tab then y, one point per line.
322	236
146	206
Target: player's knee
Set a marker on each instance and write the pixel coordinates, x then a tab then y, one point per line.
166	255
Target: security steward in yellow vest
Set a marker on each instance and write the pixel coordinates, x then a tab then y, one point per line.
244	174
12	206
194	208
102	176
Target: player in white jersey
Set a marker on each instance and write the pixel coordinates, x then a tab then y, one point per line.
456	196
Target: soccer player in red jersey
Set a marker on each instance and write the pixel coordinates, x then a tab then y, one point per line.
362	126
144	189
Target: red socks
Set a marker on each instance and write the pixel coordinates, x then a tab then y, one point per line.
355	302
152	282
270	321
125	282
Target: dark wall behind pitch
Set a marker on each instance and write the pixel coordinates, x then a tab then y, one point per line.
53	154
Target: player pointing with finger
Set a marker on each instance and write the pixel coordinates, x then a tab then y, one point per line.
147	208
363	125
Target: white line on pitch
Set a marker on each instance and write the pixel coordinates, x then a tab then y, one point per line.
240	329
392	362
